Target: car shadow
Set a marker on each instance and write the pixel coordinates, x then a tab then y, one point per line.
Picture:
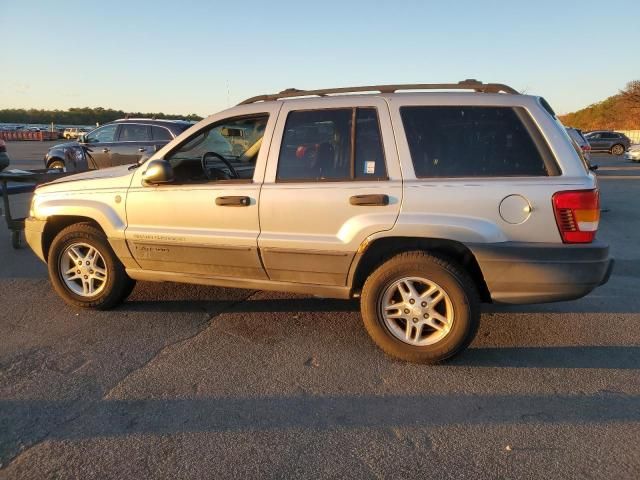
600	357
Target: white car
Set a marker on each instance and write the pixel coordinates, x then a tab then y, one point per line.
73	132
633	153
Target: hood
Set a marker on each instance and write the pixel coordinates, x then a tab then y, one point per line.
107	178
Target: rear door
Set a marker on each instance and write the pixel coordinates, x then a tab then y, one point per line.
332	179
99	144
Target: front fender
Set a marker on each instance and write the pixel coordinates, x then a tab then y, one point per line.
110	218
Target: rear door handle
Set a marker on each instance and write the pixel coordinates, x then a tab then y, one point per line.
105	150
233	201
142	149
370	200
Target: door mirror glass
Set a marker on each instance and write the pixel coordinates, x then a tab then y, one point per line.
158	172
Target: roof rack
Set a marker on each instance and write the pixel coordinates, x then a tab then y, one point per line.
469	84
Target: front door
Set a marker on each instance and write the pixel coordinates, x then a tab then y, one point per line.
332	181
133	141
98	145
206	221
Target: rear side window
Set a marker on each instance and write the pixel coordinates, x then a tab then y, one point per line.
470	141
134	133
160	133
332	145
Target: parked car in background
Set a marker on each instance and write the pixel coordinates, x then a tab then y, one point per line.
4	158
70	133
422	205
606	141
120	142
633	153
577	136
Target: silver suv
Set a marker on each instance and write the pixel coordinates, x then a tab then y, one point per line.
421	204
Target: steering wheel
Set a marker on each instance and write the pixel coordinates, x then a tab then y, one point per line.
232	171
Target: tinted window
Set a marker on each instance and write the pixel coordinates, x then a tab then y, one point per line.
369	156
161	133
102	135
226	150
317	145
132	132
470	141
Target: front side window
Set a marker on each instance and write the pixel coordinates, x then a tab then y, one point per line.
226	150
102	135
132	132
470	141
326	145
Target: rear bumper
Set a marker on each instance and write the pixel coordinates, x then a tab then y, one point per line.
542	272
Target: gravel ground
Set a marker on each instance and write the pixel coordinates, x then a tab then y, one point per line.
192	382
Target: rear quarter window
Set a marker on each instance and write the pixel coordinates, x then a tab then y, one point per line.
472	141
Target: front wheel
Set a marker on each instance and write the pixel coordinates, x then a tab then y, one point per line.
420	308
617	149
84	270
57	164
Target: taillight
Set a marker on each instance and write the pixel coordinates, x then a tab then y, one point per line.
577	215
586	148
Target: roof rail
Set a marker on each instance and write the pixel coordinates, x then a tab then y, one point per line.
469	84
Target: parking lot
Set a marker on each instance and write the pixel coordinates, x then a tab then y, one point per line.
185	381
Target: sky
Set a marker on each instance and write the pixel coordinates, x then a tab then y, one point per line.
188	56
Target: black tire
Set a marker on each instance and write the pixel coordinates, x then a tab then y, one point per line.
452	279
617	149
118	284
59	164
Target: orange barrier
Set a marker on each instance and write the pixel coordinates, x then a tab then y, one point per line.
29	135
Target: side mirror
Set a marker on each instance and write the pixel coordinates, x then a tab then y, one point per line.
158	172
81	138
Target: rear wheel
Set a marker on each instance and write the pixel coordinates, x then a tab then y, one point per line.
617	149
84	270
420	308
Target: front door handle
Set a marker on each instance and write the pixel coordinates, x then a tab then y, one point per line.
142	149
370	200
105	150
233	201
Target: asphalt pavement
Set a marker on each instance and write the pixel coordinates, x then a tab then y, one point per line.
198	382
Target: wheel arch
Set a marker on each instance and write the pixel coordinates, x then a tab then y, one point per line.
56	223
380	250
54	158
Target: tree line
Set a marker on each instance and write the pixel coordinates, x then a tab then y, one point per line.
80	116
618	112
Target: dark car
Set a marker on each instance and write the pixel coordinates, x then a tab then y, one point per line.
605	141
120	142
